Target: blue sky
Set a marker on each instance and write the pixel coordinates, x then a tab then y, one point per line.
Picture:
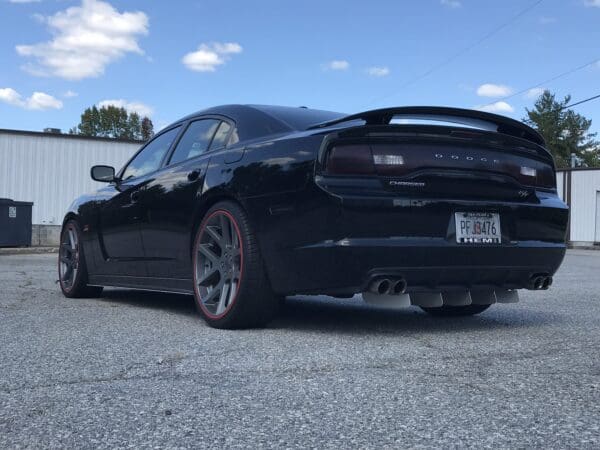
168	59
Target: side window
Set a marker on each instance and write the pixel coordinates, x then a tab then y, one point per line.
220	136
234	139
148	160
195	140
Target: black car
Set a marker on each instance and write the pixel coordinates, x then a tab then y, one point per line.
241	205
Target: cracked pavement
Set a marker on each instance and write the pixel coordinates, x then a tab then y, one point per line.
140	369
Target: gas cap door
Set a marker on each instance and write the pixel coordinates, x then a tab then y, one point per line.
233	155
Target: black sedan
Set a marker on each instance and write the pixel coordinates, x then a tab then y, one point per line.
448	209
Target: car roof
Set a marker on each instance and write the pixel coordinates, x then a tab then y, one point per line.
255	121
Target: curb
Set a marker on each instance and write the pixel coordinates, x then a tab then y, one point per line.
27	250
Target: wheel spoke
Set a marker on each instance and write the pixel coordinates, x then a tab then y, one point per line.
72	238
225	229
212	232
208	277
213	294
233	291
206	251
68	273
223	298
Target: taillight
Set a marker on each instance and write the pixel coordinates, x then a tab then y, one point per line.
393	160
545	176
365	160
350	160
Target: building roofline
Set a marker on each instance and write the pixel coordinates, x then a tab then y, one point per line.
68	136
576	169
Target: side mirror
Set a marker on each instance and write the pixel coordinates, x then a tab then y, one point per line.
104	174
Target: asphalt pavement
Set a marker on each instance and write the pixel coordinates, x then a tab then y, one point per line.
135	369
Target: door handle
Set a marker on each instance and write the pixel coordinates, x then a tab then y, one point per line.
193	175
134	196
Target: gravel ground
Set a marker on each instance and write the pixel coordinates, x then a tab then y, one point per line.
135	369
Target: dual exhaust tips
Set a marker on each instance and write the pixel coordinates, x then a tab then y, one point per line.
397	286
540	282
387	286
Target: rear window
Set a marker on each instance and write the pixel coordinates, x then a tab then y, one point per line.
299	118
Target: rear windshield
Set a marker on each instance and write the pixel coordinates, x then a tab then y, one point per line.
299	118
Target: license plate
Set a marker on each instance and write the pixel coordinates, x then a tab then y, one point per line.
477	228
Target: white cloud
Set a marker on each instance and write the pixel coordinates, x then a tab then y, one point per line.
545	20
595	3
498	107
70	94
337	64
85	40
209	56
10	96
378	71
138	107
38	100
451	3
494	90
534	93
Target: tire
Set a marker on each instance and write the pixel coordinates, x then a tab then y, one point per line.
455	311
72	268
231	288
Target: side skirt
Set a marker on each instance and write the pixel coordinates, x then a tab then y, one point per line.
176	285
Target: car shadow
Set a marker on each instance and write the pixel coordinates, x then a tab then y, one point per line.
175	303
351	316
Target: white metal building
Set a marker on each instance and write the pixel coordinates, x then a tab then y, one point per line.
51	170
580	189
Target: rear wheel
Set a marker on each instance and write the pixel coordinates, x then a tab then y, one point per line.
455	311
231	288
72	269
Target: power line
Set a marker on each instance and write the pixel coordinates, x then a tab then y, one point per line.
582	101
550	80
461	52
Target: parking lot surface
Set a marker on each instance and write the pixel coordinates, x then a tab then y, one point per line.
142	370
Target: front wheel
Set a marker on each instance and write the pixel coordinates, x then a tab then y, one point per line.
72	268
455	311
231	288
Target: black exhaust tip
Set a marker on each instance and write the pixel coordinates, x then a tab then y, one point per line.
398	287
383	287
538	283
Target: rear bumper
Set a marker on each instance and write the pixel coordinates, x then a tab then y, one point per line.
347	266
322	244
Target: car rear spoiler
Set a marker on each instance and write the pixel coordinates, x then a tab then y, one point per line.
469	117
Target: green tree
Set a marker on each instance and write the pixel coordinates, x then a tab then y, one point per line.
113	122
147	129
564	131
135	127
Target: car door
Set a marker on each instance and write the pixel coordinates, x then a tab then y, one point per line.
171	197
121	212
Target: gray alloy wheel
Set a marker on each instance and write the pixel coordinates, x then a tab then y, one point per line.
72	269
68	259
231	288
220	260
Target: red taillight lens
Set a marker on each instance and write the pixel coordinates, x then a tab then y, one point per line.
545	177
350	160
393	160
